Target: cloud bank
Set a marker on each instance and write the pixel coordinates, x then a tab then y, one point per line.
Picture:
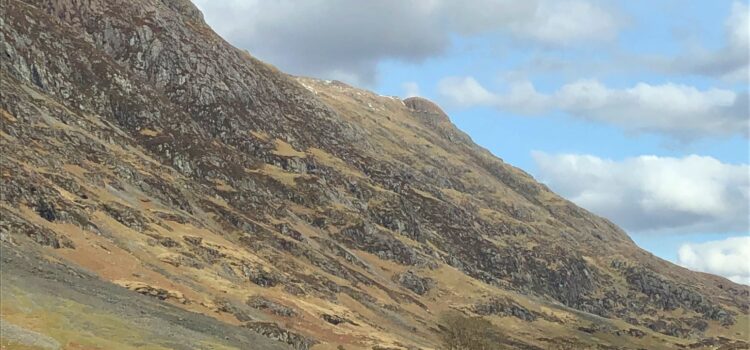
345	40
729	258
680	111
650	194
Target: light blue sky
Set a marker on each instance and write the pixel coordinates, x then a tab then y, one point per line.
689	57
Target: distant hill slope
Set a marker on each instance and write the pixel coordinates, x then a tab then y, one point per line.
163	188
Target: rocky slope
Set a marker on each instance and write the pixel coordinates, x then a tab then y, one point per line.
162	187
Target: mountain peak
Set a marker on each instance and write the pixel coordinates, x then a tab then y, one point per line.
423	105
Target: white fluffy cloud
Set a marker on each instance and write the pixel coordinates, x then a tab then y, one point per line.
564	22
678	110
650	194
729	258
343	39
466	91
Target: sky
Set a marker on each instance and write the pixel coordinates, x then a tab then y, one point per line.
635	110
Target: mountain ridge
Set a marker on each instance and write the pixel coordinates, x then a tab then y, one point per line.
144	150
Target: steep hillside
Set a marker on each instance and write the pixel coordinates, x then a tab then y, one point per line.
162	188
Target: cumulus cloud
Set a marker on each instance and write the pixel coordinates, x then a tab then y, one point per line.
730	62
678	110
466	91
650	194
521	97
729	258
346	39
566	22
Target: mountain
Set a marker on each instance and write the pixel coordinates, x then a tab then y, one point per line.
163	189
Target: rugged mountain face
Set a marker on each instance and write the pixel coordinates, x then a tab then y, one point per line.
162	187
